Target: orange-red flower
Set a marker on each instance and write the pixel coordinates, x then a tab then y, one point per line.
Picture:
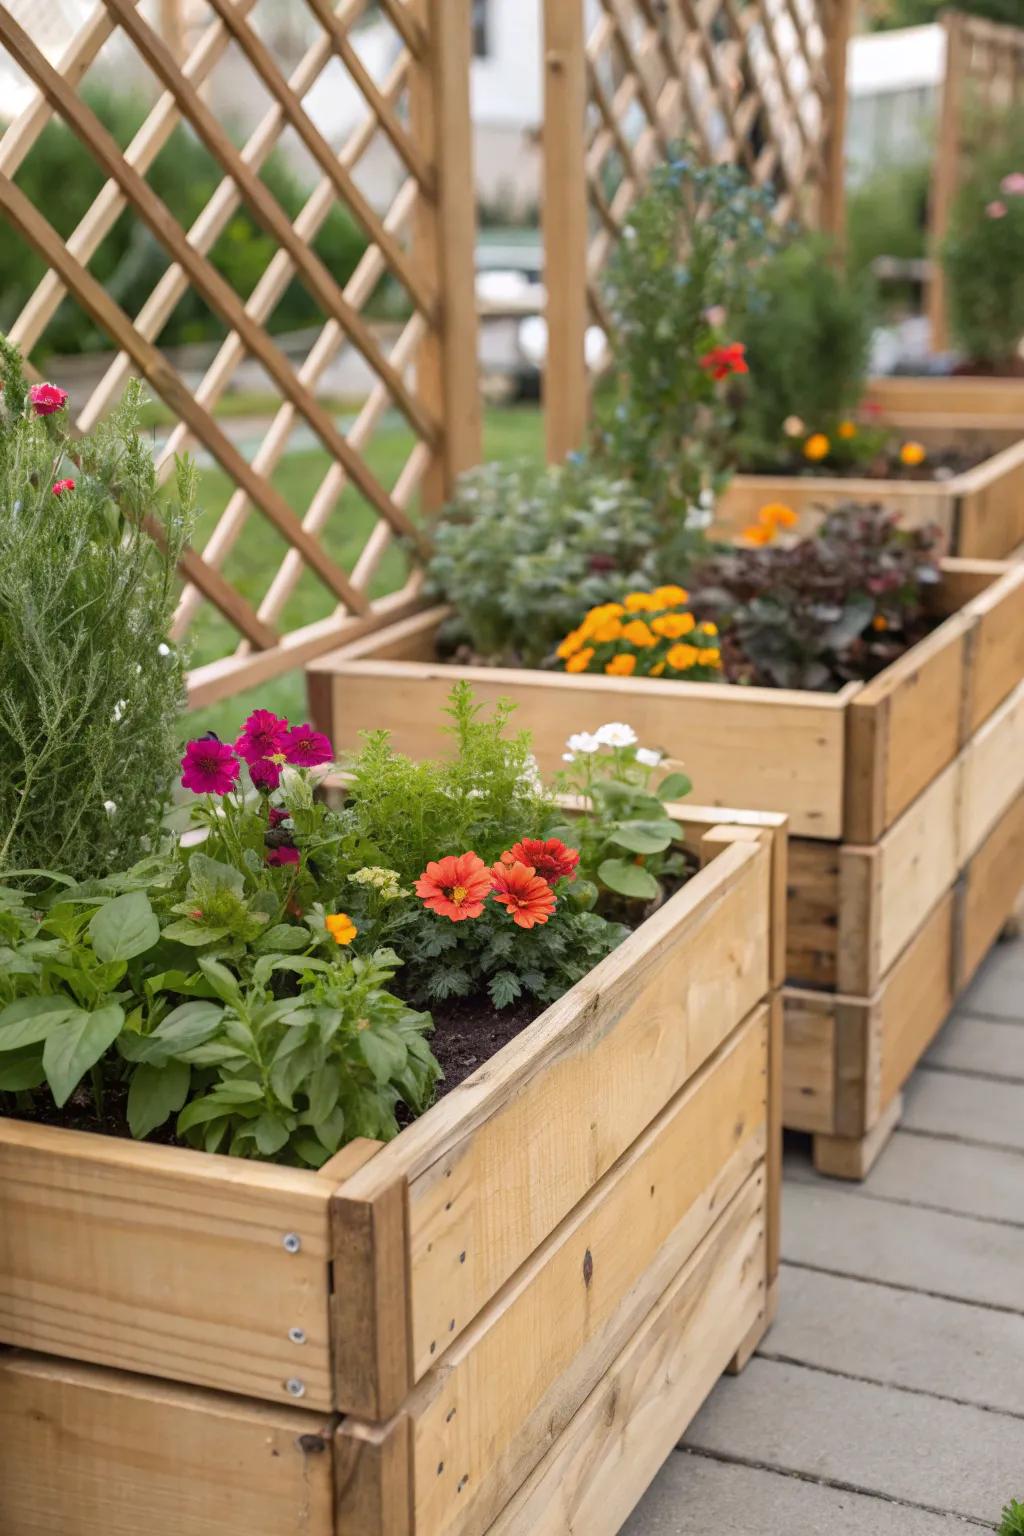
721	361
455	886
551	859
521	891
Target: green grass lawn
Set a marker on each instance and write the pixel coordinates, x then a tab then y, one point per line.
513	432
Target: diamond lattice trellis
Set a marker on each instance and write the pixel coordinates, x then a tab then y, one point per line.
759	83
277	78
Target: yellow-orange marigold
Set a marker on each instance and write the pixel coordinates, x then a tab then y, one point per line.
759	533
709	628
880	623
581	661
641	602
912	454
710	656
681	657
816	447
671	596
657	670
340	927
777	515
570	645
846	430
673	626
621	666
637	632
608	629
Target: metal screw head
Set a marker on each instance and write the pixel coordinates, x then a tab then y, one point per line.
297	1335
292	1242
294	1387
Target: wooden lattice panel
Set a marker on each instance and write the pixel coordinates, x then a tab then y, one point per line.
196	63
984	79
755	83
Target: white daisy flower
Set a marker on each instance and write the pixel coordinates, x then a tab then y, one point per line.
583	741
110	806
119	709
163	650
568	757
648	756
616	734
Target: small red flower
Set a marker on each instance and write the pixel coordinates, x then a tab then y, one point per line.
455	887
552	860
263	735
210	767
277	815
285	855
527	898
47	399
307	748
721	361
60	486
265	774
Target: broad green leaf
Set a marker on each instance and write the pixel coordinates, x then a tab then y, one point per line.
124	927
322	1091
311	1151
155	1094
270	1134
237	1090
644	836
70	1051
195	935
628	879
31	1019
674	786
283	936
211	872
199	1112
382	1055
188	1025
223	982
20	1072
188	982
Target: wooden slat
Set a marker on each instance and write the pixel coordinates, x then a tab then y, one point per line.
517	1377
602	1462
372	1479
915	999
565	230
812	914
917	862
808	1092
91	1452
993	772
164	1260
903	728
992	888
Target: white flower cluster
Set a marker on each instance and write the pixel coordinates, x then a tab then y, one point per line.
386	881
615	734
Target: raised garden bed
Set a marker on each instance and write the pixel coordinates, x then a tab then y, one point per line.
894	789
952	401
421	1336
979	511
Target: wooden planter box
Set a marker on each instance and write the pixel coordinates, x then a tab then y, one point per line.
980	512
446	1334
953	403
894	790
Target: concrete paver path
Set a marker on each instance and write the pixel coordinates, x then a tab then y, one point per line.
888	1399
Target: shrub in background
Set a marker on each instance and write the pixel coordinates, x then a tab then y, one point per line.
522	551
887	215
675	287
983	254
60	175
90	693
807	330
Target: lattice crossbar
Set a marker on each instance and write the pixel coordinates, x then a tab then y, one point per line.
756	83
408	114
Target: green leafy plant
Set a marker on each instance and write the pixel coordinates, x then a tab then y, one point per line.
819	612
90	692
627	840
983	254
692	244
807	329
522	550
1012	1523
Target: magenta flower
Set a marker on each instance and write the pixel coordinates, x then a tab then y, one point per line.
307	748
265	774
1013	185
263	735
277	815
47	399
60	486
284	855
996	210
211	767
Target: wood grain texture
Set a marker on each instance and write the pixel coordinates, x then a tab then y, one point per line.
853	1157
995	663
918	860
605	1458
369	1318
373	1479
164	1260
812	914
948	400
808	1084
91	1452
903	729
992	887
990	512
992	772
915	998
